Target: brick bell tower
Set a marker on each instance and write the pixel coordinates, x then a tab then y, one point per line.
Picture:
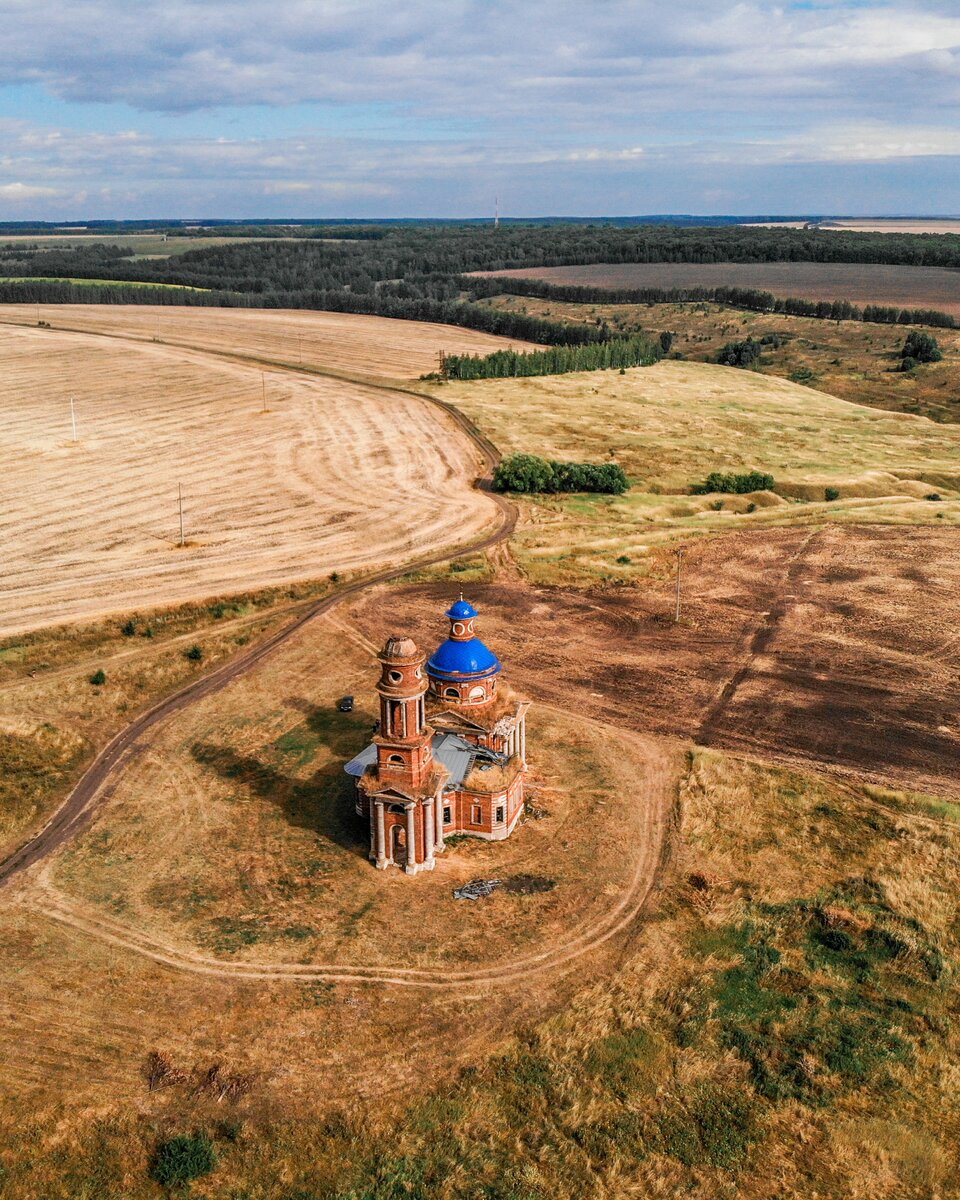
404	754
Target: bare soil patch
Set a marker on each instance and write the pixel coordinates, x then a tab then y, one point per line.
835	647
862	283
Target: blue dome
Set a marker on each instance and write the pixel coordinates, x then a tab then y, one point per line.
461	611
455	659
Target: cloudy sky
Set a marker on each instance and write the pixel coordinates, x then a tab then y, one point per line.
234	108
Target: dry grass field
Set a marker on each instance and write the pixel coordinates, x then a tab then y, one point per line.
345	343
321	482
672	424
234	835
861	283
847	359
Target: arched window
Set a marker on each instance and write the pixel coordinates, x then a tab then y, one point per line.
395	758
395	676
452	692
458	627
477	693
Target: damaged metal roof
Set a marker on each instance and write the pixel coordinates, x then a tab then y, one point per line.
451	751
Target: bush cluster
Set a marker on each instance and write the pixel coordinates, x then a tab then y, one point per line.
529	473
740	354
720	481
919	347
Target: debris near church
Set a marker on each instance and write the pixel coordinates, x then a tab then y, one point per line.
476	889
515	885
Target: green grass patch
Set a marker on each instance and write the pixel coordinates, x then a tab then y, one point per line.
826	995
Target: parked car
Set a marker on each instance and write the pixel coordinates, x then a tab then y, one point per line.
346	704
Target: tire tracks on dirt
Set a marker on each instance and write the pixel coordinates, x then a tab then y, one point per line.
757	641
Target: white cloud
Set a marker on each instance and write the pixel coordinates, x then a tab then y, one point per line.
21	193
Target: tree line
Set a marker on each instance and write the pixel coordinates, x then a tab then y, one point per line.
635	351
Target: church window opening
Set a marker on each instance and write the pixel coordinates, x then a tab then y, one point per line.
477	693
395	758
477	816
500	814
451	692
395	676
447	815
458	627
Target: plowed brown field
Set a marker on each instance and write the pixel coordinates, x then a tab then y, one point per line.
832	647
862	283
335	476
378	347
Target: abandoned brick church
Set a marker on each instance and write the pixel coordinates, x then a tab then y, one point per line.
449	755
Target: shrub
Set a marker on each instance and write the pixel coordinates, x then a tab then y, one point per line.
748	481
919	347
182	1159
831	493
195	653
98	677
802	375
933	496
129	628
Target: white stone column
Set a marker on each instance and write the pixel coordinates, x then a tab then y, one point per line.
411	838
381	847
439	815
429	825
371	817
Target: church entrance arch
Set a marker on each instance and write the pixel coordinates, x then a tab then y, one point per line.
399	845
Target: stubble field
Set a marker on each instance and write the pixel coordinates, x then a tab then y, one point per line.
341	343
333	477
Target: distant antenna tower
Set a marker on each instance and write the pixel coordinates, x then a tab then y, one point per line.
496	212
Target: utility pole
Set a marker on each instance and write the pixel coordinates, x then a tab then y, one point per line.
180	505
679	552
73	418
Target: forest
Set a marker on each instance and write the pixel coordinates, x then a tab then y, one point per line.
423	272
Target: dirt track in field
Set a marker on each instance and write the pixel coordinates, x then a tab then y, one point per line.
861	283
334	476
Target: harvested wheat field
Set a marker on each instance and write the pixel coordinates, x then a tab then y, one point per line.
379	347
320	482
861	283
